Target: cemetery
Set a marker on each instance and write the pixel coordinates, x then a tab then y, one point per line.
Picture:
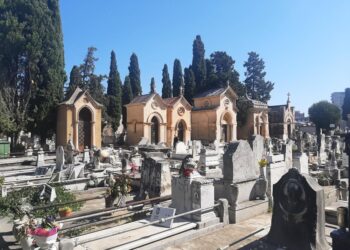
89	161
156	194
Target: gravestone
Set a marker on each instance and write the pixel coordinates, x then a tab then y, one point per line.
298	219
257	144
143	141
86	155
288	153
155	177
240	184
301	162
60	158
209	163
180	148
40	161
48	192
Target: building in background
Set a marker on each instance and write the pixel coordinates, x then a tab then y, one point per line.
338	99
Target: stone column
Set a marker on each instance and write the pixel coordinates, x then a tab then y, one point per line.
75	134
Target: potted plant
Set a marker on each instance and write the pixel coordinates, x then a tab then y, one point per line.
45	234
121	187
65	212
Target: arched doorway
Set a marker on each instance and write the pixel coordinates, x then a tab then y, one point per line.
226	128
181	129
154	130
84	129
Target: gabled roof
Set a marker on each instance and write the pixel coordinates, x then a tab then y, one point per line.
171	102
77	94
142	98
216	92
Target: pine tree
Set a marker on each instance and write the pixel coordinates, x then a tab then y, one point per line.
198	64
31	64
153	86
177	77
189	84
256	86
346	105
166	90
222	70
75	81
134	75
126	98
114	90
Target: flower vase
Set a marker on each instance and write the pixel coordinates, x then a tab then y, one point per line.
45	242
26	243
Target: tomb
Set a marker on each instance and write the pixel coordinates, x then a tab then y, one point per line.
79	119
298	218
257	120
282	120
214	115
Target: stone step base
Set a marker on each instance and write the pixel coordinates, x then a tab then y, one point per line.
248	209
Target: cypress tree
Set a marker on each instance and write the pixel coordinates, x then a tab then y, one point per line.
256	85
114	90
153	86
134	75
166	90
126	98
88	67
198	64
74	81
189	84
346	105
177	77
32	63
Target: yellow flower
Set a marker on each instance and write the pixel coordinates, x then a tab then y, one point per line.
263	163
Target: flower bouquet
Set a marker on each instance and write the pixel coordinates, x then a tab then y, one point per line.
45	234
263	163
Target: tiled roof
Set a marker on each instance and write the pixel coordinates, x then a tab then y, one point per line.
171	101
78	92
210	92
142	98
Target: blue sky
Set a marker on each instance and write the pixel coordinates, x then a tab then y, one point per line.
305	44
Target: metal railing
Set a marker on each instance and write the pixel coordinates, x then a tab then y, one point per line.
162	220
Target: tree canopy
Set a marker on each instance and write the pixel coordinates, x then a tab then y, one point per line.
256	86
114	95
166	89
153	86
189	84
198	64
134	75
31	65
126	98
178	78
75	81
323	113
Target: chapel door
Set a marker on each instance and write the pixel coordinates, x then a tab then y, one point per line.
154	130
84	129
181	131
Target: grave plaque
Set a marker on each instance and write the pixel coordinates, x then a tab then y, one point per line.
48	192
163	212
298	219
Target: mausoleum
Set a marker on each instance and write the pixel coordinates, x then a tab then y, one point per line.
214	115
79	119
256	119
158	120
282	120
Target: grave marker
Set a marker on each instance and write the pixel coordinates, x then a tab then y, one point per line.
163	212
